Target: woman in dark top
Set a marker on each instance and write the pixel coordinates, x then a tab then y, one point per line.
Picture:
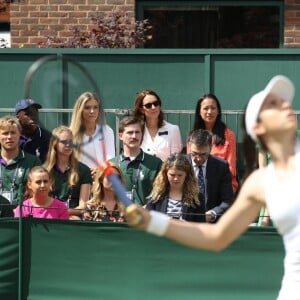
176	192
71	179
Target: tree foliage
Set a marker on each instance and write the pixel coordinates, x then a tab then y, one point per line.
115	30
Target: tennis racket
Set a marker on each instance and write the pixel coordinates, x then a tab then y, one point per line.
69	80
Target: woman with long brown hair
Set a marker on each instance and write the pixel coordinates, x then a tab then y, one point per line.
161	138
176	192
71	180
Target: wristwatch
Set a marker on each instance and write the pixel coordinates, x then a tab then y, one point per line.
213	216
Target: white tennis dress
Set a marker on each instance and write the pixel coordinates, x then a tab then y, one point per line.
283	203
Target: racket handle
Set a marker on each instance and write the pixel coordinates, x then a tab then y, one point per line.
136	217
119	190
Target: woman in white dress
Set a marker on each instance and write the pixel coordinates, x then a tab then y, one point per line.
87	134
270	122
161	138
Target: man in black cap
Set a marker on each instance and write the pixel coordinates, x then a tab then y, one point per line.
34	139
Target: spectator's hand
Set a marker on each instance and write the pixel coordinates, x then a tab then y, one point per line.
265	221
76	218
93	173
137	216
86	216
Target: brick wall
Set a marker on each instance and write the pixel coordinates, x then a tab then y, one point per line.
34	20
292	24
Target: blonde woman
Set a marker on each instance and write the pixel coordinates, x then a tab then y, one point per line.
104	206
176	192
71	179
85	126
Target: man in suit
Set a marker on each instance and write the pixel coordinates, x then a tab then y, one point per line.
215	185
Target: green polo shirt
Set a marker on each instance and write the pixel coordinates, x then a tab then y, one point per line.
139	174
13	176
62	190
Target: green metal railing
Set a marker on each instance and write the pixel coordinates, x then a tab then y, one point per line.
51	118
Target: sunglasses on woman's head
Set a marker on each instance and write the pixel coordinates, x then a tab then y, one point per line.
149	105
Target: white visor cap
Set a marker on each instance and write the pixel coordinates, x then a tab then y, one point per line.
280	86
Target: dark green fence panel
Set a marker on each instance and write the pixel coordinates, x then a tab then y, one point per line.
238	76
86	260
179	76
9	260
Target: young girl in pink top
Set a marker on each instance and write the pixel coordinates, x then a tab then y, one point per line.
40	204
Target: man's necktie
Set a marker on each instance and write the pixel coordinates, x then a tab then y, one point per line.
201	183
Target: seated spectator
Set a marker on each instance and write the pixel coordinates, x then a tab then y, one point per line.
213	175
85	122
208	115
6	210
104	206
14	163
138	167
34	138
71	180
161	138
175	191
40	204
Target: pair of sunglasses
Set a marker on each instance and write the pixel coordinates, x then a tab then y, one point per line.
149	105
66	142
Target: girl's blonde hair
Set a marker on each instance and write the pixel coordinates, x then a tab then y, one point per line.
161	186
98	189
77	125
7	121
51	159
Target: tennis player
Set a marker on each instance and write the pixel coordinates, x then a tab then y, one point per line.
271	123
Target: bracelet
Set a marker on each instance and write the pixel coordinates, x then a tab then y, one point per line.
158	223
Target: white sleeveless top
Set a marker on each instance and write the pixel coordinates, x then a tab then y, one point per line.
283	203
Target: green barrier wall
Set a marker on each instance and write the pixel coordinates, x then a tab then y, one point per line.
179	76
79	261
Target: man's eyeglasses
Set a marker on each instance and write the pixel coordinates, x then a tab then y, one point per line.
149	105
202	155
